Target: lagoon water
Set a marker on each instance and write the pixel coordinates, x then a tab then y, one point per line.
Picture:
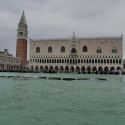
32	101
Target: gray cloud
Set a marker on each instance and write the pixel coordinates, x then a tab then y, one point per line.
58	18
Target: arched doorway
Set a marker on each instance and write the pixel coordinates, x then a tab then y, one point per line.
118	68
100	69
71	69
77	69
106	70
36	68
83	69
89	69
51	69
112	70
41	69
46	68
66	69
61	69
56	68
94	69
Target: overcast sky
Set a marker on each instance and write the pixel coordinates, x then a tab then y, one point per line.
59	18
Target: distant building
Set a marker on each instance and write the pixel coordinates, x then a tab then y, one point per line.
22	36
8	62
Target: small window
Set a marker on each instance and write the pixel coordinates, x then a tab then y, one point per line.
99	50
114	50
63	49
49	49
85	49
38	50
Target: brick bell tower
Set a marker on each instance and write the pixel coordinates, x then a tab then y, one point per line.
22	37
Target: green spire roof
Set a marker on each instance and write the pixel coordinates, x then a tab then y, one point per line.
23	19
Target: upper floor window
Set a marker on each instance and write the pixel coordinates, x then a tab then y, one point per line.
62	49
73	50
85	49
38	50
99	50
114	50
49	49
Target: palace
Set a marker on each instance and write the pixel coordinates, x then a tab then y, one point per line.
91	54
98	54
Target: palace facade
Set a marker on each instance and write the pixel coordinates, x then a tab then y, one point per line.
92	54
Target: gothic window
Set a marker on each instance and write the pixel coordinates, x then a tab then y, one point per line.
114	50
73	50
99	50
49	49
85	49
38	50
62	49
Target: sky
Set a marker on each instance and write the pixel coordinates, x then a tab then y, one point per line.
59	18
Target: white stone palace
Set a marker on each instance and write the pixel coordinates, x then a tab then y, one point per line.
91	54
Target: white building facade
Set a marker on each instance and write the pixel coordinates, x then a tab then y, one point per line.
8	62
94	54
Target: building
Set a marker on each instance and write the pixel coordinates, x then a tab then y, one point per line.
91	54
8	62
22	36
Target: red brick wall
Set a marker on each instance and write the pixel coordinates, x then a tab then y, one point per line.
21	50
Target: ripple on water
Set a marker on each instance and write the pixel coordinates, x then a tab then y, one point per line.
57	102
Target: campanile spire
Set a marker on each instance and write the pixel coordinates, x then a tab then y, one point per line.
22	37
23	19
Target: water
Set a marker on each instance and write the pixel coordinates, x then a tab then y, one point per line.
57	102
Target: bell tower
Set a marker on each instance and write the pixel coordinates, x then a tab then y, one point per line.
22	37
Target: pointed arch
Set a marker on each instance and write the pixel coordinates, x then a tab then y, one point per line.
88	69
41	68
36	68
61	69
94	69
50	49
62	49
73	50
85	49
100	69
106	70
67	69
77	69
46	68
51	69
83	69
38	49
56	68
72	69
112	69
